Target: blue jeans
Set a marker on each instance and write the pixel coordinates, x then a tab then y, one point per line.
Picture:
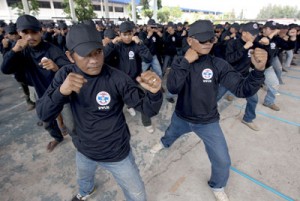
155	66
125	172
215	146
272	83
222	91
252	101
277	68
289	58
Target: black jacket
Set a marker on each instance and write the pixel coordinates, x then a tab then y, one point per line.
27	62
238	56
130	57
101	132
197	86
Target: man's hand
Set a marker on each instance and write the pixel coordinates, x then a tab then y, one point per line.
73	82
117	40
20	45
105	41
191	55
264	41
293	34
48	64
5	42
136	40
149	81
248	45
259	58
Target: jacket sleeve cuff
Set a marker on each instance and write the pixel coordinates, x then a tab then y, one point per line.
58	97
258	73
155	97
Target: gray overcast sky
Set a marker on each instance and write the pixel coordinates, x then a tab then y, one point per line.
250	7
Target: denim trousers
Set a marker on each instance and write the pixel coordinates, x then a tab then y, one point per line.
125	172
215	146
252	101
272	84
277	68
155	66
289	58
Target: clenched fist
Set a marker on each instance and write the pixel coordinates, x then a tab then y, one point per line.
73	82
48	64
150	81
191	55
259	58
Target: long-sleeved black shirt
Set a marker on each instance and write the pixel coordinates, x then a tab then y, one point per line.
27	62
238	56
153	43
197	86
101	132
130	57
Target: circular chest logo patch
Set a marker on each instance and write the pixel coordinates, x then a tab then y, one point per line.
207	73
131	54
103	98
272	45
173	39
154	39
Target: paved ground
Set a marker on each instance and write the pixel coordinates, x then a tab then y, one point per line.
265	164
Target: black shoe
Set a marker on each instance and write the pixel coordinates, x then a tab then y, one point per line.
79	197
170	100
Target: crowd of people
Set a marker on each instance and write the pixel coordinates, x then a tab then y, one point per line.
80	78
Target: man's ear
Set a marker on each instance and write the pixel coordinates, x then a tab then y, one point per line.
69	55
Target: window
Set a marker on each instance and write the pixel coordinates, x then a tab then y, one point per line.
11	3
119	9
58	5
97	7
44	4
110	8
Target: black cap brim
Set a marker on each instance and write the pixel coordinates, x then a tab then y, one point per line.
33	28
202	37
86	48
254	32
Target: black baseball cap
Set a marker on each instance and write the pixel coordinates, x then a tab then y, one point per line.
202	30
236	26
251	27
10	29
271	24
151	22
2	23
126	26
83	39
28	22
219	26
109	33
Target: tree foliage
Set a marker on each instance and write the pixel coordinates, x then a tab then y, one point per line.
167	14
129	9
83	9
277	11
33	6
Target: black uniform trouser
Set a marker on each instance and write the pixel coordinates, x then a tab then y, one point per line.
54	131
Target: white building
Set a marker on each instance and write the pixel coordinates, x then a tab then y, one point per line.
53	9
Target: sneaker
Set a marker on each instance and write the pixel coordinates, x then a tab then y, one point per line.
149	129
170	100
79	197
131	111
156	148
273	107
221	196
229	98
277	94
251	125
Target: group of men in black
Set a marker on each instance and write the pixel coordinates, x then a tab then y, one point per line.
86	74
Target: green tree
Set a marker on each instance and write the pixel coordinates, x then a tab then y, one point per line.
83	9
32	4
276	11
129	10
166	14
147	13
145	4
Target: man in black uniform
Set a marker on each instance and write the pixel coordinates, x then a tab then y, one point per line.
38	61
196	78
97	94
131	52
238	54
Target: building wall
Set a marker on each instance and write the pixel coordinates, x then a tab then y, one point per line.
8	14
